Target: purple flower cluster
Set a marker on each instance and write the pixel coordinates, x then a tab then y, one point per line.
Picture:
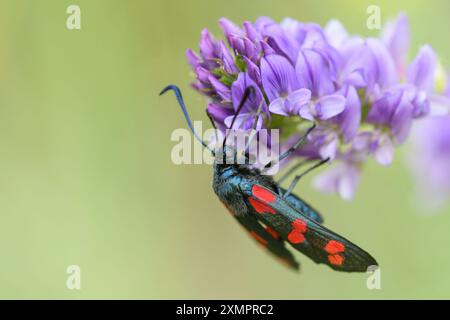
360	92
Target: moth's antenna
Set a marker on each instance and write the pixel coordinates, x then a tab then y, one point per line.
247	92
213	123
179	97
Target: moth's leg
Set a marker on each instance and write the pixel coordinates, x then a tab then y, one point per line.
280	191
247	145
247	92
297	145
250	139
292	170
298	177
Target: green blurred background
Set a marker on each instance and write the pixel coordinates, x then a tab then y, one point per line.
86	176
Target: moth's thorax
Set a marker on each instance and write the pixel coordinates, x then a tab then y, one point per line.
225	172
226	176
230	179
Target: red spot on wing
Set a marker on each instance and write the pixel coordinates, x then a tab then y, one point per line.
334	247
273	233
297	236
260	207
299	225
263	194
336	259
258	238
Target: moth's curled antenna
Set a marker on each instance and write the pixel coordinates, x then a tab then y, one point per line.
180	100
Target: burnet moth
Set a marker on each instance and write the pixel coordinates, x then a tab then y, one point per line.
274	216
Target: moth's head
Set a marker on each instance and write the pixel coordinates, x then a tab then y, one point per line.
227	156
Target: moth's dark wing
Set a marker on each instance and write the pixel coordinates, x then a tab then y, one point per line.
269	239
303	233
301	205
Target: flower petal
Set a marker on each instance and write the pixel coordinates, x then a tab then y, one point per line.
207	45
238	88
356	78
226	58
329	106
222	90
278	76
266	48
431	145
342	178
396	36
336	33
281	41
383	65
298	98
192	58
421	71
329	149
381	110
251	32
233	34
277	106
402	119
348	183
384	153
202	74
253	70
350	119
307	112
313	73
439	105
